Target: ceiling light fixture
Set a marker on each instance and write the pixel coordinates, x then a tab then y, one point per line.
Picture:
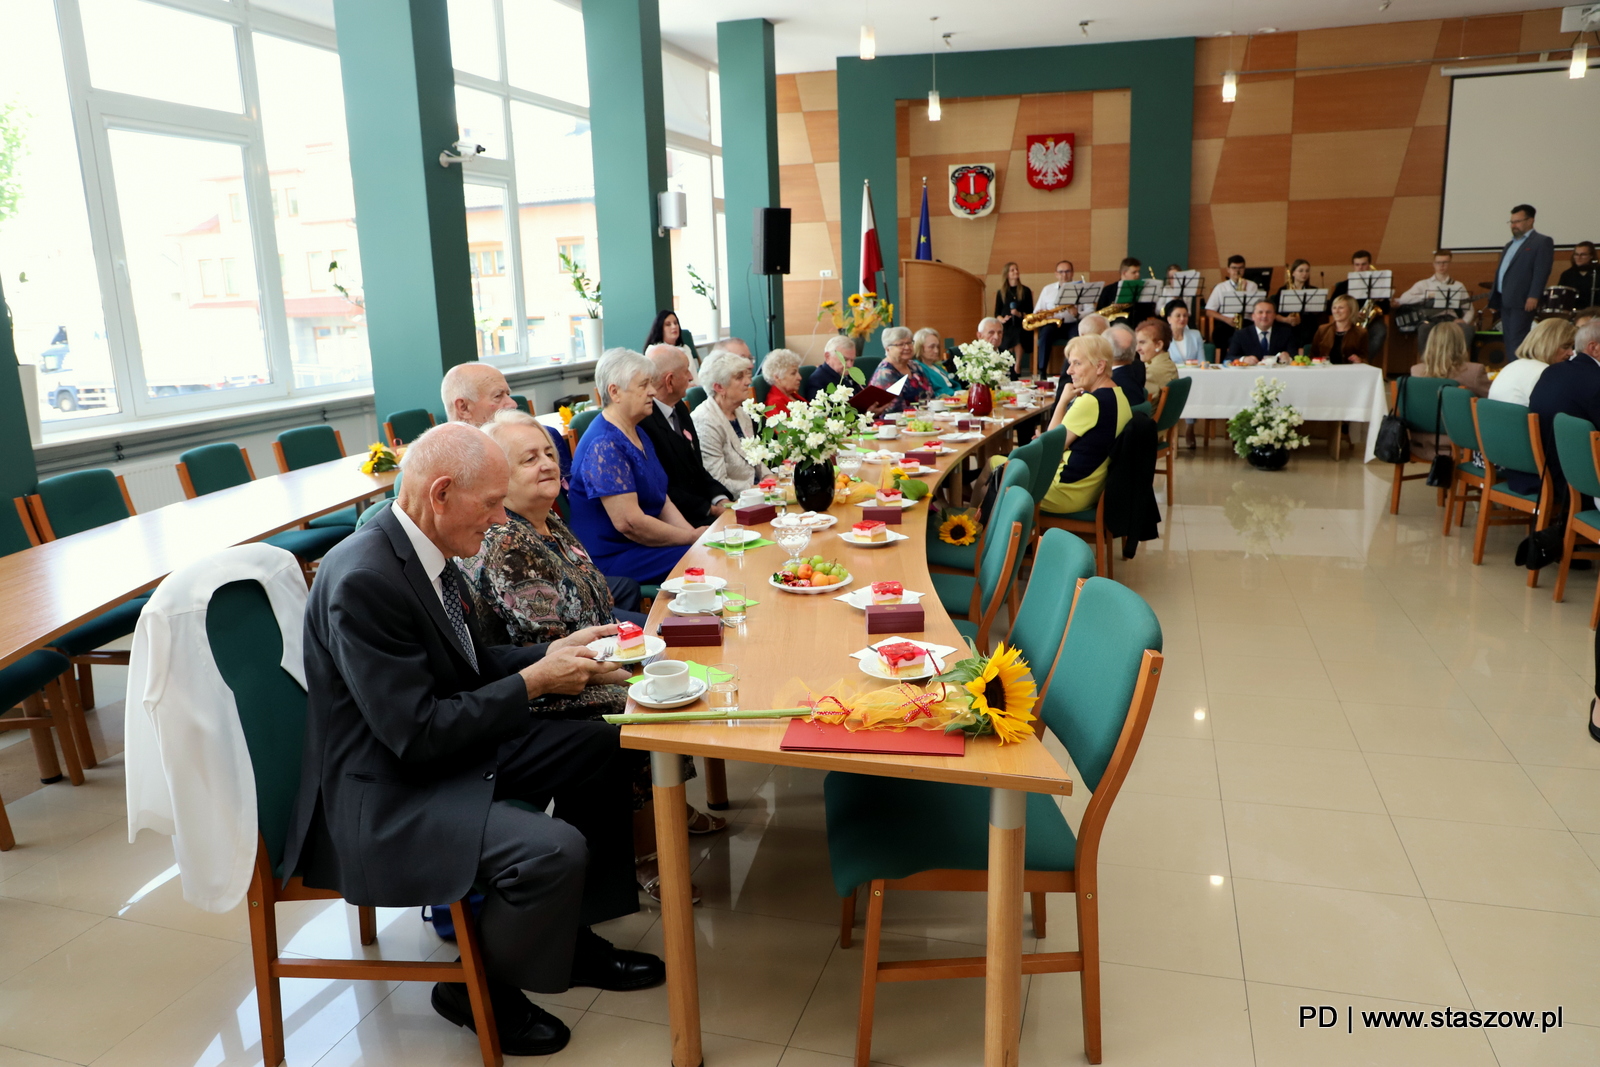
1084	27
1268	29
869	36
1230	86
935	112
1580	61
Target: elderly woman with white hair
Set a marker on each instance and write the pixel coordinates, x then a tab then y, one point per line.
929	347
618	493
722	421
781	369
900	362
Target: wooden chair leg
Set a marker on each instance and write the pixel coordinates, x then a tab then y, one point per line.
85	685
1089	946
1569	544
367	922
8	840
55	695
77	701
847	918
477	983
1485	505
1038	914
716	784
869	973
44	746
263	951
1394	492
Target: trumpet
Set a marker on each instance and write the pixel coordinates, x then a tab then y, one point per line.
1368	312
1035	319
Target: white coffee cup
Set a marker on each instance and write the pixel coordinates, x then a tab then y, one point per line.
751	497
937	405
888	432
667	679
698	596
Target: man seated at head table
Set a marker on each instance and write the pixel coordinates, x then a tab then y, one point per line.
621	510
670	426
418	737
1265	336
1126	369
473	392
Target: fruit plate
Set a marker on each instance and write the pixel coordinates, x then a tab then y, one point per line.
850	539
874	667
811	590
606	648
675	585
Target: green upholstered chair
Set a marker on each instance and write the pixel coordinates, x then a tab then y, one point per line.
945	558
247	646
307	446
34	682
1420	402
806	370
372	512
403	427
221	466
759	387
1466	482
1208	351
1509	434
974	601
1063	563
1175	399
70	504
523	404
581	421
1099	715
694	397
1578	448
868	365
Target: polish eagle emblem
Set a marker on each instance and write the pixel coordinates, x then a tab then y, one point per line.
1050	158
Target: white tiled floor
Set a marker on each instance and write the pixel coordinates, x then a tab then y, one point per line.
1366	782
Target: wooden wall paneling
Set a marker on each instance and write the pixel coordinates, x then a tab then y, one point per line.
1271	51
1262	107
965	243
1203	240
1412	232
1255	231
969	128
1252	169
1054	113
1422	173
818	91
1037	239
1212	56
794	142
1212	115
1108	239
909	205
801	193
1327	231
1206	157
1113	116
822	130
1020	196
827	176
1381	43
1358	100
789	93
1435	107
1109	187
1347	165
1490	33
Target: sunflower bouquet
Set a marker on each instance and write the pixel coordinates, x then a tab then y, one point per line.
866	313
380	458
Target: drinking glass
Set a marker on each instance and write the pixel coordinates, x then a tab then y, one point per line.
724	686
849	462
734	604
793	540
733	539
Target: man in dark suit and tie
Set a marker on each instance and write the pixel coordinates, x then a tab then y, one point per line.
698	496
419	737
1570	387
1521	277
1262	338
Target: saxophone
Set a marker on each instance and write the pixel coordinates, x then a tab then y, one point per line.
1035	319
1368	312
1119	312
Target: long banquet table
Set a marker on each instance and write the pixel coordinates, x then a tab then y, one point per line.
788	641
1351	392
54	587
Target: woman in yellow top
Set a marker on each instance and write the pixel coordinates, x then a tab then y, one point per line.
1094	411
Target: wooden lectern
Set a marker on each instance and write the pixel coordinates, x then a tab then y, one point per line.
941	296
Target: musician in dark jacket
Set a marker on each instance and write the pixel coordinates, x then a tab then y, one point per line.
1584	274
700	498
418	738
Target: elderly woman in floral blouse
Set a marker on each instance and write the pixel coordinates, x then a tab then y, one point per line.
534	578
899	361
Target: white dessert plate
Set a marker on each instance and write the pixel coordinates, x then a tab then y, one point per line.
810	590
675	585
606	648
850	538
861	599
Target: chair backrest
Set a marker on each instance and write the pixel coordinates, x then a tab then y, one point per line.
694	397
1111	628
248	649
1041	621
868	364
16	528
806	371
1458	419
371	512
1503	431
211	467
994	577
307	446
759	388
1208	351
406	426
581	421
1029	454
1177	398
522	403
1420	403
1052	446
71	503
1575	449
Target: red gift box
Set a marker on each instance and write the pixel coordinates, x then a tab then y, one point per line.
691	630
756	513
889	516
894	618
925	458
966	425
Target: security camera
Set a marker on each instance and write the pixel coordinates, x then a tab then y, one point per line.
464	150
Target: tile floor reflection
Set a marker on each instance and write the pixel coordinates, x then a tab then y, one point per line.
1365	782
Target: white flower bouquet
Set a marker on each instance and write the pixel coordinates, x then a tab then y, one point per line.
808	432
980	363
1266	423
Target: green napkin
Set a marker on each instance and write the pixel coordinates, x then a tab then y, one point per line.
760	542
696	670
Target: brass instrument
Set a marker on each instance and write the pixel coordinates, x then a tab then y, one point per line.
1289	283
1368	312
1035	319
1119	312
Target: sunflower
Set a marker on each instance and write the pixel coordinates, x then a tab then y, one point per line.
566	415
830	304
379	459
1003	692
855	300
959	529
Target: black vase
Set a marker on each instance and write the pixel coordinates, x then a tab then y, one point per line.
1268	458
813	486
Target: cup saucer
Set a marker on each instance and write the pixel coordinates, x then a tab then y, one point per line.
639	693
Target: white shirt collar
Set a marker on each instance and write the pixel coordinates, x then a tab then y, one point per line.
428	553
665	409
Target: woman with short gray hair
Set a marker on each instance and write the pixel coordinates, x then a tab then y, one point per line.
618	494
781	369
900	362
722	421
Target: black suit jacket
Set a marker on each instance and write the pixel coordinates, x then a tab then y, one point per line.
1526	275
1246	342
1130	379
1571	387
401	734
688	484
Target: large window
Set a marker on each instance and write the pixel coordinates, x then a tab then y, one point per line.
176	221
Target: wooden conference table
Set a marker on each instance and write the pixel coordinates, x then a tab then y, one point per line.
788	639
54	587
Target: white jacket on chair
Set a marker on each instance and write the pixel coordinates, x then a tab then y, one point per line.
188	768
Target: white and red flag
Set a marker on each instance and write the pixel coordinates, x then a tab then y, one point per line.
871	253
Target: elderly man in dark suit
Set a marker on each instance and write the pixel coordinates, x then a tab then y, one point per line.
699	497
1521	277
419	738
1264	337
1570	387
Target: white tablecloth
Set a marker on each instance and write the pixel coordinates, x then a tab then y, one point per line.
1350	392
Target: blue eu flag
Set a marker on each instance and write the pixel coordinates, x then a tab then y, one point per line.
924	235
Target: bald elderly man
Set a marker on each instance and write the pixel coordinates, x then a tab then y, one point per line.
991	329
473	392
700	498
419	737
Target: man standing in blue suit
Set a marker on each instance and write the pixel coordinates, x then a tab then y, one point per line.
1521	277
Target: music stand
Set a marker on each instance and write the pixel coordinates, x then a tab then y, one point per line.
1371	285
1302	301
1185	286
1455	300
1149	291
1237	304
1081	294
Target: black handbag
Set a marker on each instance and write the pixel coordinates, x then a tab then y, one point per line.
1442	471
1394	440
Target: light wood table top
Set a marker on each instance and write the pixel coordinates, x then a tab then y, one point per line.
789	642
59	585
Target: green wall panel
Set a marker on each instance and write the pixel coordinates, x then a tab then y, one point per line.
747	69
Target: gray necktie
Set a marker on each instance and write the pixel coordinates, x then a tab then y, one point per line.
451	588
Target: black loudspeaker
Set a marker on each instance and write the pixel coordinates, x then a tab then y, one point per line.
769	246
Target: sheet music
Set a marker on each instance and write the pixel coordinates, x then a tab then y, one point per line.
1081	294
1301	301
1371	284
1237	302
1446	299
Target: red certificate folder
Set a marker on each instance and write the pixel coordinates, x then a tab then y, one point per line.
803	736
870	396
